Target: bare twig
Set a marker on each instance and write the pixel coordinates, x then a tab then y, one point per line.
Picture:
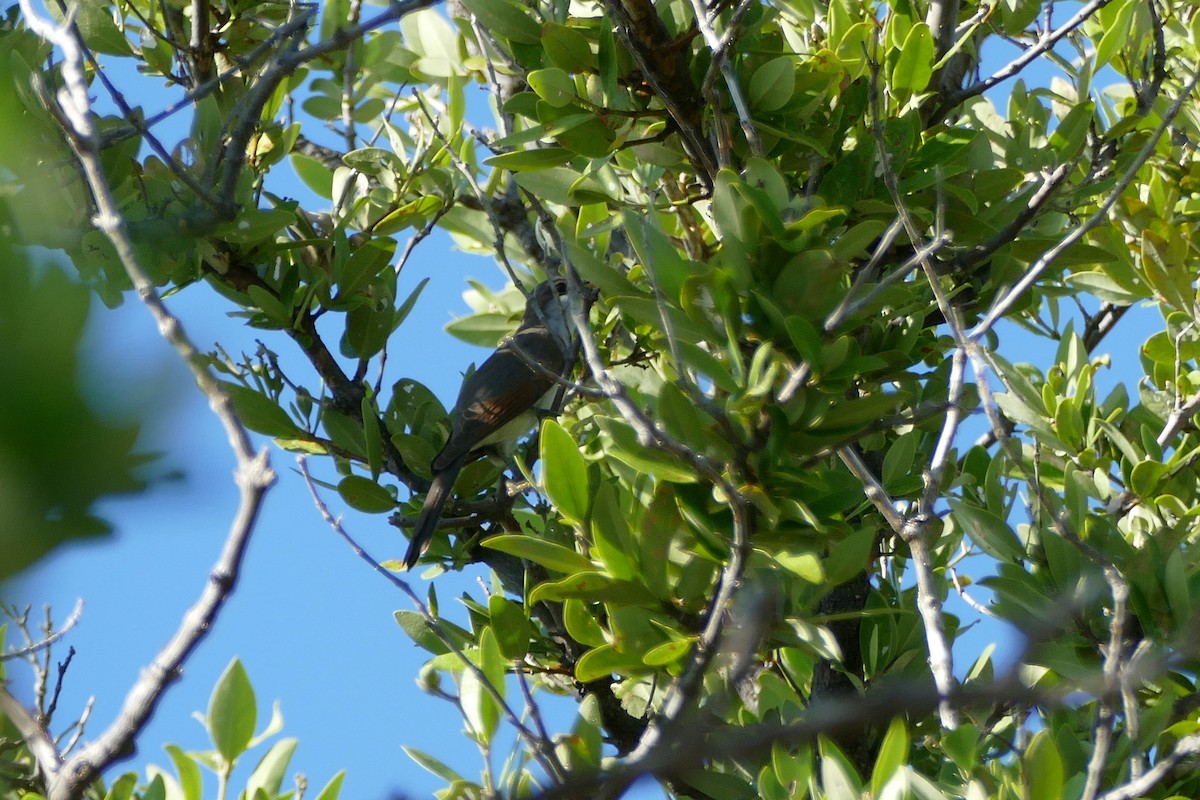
70	622
1031	54
872	488
541	747
254	475
917	529
1187	747
721	63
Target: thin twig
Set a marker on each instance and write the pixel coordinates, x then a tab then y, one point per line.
71	621
542	748
1031	54
254	475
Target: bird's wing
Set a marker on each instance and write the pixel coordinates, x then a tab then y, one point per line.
500	390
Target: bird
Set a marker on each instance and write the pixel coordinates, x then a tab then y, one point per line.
497	401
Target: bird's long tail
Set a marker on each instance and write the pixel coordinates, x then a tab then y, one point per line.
431	511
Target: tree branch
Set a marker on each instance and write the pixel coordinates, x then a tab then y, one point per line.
253	475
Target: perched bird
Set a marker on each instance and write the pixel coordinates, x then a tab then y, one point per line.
496	404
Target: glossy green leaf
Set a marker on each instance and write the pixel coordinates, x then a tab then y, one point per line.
893	754
1043	768
611	542
187	772
333	789
505	18
526	160
510	626
989	532
567	48
364	494
553	85
232	712
363	265
539	551
914	67
803	564
772	84
668	652
562	186
268	775
564	472
582	624
600	662
621	442
260	413
591	586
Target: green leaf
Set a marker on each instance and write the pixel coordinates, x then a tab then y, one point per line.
893	754
564	472
313	174
1104	288
1043	768
838	777
1072	130
669	652
270	305
621	442
962	745
510	625
563	186
232	712
850	556
372	160
1175	587
991	533
362	267
507	19
567	48
592	586
431	764
914	67
260	413
600	662
582	624
255	224
803	564
372	438
414	624
367	330
898	463
526	160
1116	33
772	84
364	494
188	771
1145	477
121	789
479	706
157	790
268	775
539	551
333	788
412	214
610	534
553	85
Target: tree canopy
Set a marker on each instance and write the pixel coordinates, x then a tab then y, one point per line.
826	242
